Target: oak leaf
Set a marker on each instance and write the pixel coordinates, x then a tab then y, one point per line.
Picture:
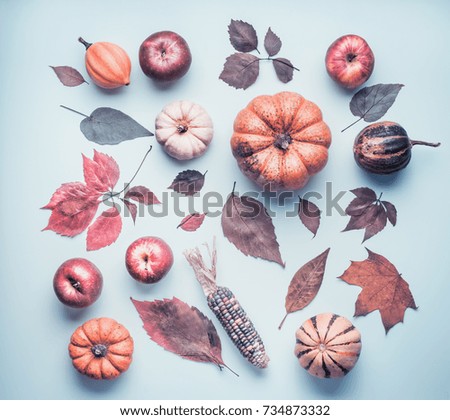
383	289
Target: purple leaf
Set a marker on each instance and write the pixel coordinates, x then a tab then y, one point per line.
105	230
272	43
142	195
309	214
132	208
240	70
357	206
391	212
365	193
284	69
378	225
188	182
69	76
242	36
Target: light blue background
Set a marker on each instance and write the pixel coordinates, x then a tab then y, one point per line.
41	148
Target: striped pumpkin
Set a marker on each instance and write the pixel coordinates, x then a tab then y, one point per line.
384	147
328	345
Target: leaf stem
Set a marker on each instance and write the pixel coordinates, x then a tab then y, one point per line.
234	186
352	124
282	322
279	61
112	195
73	110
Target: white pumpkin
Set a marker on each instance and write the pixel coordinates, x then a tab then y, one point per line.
184	129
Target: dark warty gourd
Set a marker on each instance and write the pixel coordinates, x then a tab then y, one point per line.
384	147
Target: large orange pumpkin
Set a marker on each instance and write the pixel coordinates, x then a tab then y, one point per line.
101	348
280	140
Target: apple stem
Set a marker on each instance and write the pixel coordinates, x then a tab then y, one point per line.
353	123
424	143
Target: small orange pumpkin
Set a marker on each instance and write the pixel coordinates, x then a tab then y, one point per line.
328	345
107	64
280	140
101	348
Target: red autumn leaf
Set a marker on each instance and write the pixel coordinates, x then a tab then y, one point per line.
73	207
105	230
142	195
101	173
181	329
66	191
192	222
132	208
383	289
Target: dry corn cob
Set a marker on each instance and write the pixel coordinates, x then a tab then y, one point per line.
228	310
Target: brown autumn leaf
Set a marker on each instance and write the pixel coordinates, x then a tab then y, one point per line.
309	215
68	76
383	289
305	284
181	329
188	182
368	212
248	226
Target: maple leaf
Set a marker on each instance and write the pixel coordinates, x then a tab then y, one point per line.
383	289
368	212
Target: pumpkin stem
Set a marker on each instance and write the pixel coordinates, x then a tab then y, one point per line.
282	141
99	350
85	43
424	143
182	128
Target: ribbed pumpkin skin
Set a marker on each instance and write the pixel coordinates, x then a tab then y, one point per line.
280	140
184	129
108	65
327	345
382	148
101	348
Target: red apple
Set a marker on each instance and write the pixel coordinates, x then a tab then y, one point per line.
148	259
350	61
78	283
165	56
